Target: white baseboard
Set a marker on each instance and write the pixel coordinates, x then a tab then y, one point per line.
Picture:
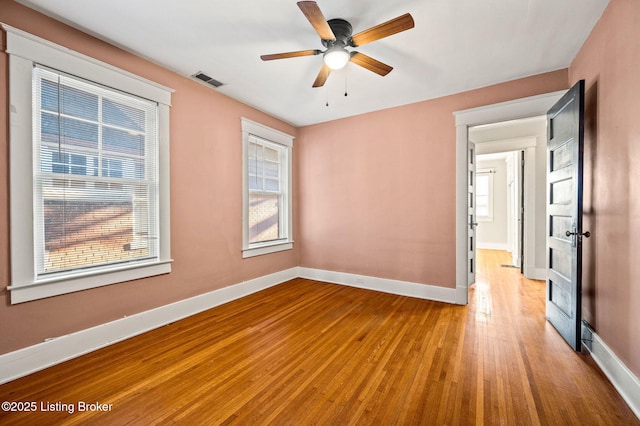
402	288
54	351
462	295
625	382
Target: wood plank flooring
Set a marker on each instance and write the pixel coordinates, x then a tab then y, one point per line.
311	353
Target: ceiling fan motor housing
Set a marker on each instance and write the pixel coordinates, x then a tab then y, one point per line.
342	30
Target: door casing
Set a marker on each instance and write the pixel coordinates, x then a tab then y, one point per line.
504	111
473	220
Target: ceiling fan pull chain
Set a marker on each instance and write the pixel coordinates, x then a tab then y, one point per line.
345	81
326	91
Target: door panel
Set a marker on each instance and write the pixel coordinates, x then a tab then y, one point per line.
471	215
564	214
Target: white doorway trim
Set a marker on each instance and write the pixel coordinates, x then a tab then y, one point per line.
504	111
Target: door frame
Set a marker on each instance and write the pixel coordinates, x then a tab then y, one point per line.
504	111
527	192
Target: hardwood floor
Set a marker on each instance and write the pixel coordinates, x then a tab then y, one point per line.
305	353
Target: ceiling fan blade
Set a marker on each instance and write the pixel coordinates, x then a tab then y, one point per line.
394	26
290	54
371	64
322	76
317	20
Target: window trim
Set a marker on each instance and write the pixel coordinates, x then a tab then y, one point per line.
24	51
489	172
274	136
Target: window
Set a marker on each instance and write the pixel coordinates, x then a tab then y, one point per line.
94	165
89	176
266	189
484	195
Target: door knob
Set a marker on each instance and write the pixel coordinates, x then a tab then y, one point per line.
585	234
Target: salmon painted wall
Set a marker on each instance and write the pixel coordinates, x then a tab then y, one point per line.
609	62
378	190
206	203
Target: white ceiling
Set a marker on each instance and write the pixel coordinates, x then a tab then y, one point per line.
456	45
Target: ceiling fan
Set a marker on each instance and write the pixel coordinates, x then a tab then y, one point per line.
335	35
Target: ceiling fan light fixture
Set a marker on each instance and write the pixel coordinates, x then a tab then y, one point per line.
336	57
336	35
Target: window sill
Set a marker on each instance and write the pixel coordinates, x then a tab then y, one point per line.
259	250
41	289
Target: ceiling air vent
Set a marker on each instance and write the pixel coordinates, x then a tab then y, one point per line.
205	78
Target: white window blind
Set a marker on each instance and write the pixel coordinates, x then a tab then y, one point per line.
266	182
266	171
95	175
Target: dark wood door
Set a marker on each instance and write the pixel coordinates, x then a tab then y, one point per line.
564	214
